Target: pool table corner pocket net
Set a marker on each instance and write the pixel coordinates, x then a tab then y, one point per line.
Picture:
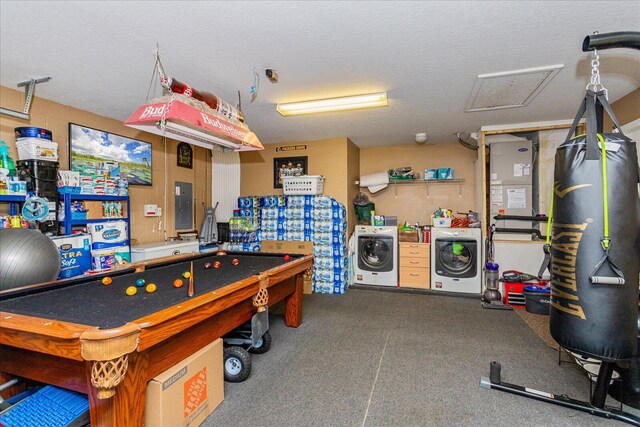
109	351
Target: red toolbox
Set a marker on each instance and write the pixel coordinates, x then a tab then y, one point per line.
513	293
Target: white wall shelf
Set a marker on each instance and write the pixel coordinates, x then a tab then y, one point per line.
458	181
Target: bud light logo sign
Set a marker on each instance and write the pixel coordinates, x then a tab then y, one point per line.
111	234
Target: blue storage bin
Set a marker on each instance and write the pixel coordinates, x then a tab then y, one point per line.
78	215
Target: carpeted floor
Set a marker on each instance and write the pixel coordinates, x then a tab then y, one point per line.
371	358
539	323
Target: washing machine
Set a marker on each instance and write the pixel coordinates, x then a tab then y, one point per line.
456	255
376	255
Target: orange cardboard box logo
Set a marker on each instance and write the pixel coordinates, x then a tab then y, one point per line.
195	392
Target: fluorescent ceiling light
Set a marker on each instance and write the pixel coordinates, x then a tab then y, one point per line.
195	137
333	104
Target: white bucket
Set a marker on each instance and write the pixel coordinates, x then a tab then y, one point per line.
37	149
103	259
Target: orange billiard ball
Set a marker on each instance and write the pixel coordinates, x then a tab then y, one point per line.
106	280
287	257
151	287
177	283
235	261
217	264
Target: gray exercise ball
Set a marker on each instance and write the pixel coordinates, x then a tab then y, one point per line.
26	257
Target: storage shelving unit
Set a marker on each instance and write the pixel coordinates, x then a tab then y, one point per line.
397	182
4	198
68	198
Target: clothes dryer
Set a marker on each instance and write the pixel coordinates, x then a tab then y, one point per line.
456	255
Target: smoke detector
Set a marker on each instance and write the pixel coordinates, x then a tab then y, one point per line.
421	138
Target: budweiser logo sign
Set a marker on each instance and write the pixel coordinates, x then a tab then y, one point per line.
222	126
152	111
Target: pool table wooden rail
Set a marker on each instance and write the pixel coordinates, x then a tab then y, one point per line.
52	351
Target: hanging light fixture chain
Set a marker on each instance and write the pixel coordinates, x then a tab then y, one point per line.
163	77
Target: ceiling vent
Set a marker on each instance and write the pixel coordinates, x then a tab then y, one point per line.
509	89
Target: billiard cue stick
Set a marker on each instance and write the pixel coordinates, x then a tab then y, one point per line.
191	280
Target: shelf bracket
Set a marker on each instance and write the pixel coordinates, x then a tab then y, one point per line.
29	90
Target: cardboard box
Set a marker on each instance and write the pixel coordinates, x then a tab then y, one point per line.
291	247
286	247
185	394
93	208
408	236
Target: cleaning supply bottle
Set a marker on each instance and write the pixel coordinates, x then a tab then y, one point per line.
7	162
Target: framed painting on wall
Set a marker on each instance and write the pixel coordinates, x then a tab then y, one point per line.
96	152
288	166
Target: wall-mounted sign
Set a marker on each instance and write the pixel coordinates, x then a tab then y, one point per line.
291	148
185	155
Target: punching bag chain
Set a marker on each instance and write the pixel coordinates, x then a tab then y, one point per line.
595	84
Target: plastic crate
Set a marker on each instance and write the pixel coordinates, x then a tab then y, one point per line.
302	185
78	215
50	406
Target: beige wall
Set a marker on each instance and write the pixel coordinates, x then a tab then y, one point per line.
626	109
56	117
353	174
416	202
331	158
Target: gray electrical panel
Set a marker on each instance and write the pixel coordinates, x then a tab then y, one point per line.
184	206
511	181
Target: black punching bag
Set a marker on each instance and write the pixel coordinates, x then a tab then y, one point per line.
594	271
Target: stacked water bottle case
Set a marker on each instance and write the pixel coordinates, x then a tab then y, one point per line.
318	219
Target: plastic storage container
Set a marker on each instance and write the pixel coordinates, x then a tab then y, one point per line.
537	299
430	174
302	185
37	149
442	222
103	259
32	132
158	250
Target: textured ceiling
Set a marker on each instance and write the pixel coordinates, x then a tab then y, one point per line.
426	55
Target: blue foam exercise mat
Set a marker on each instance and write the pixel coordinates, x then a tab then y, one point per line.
50	406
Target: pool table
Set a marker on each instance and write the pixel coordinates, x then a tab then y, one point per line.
93	338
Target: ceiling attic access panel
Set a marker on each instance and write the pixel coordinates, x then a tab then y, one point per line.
509	89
